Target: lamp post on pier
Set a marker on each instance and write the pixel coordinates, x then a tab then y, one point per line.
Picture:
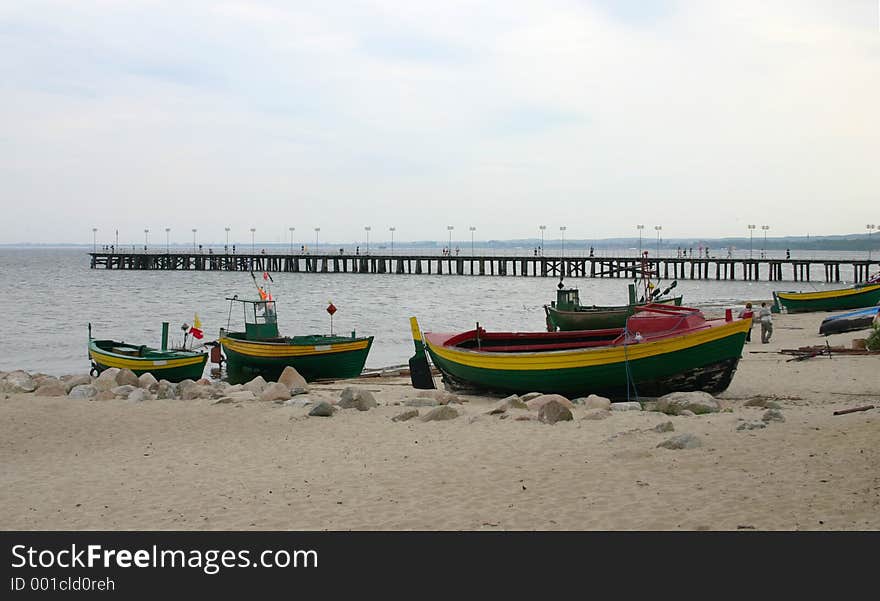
640	227
870	227
391	229
194	240
167	240
472	229
227	239
291	238
657	228
562	229
367	229
317	229
253	230
751	227
542	228
764	246
94	239
146	238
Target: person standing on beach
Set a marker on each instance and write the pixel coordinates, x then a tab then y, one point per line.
747	312
766	323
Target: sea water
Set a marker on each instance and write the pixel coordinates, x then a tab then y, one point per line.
48	296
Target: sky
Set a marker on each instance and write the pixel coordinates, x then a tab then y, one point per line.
699	116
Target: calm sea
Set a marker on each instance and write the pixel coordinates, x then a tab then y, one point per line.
48	296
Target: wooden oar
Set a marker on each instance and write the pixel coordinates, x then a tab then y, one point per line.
419	370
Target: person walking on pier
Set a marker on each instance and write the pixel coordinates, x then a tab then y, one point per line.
766	323
787	253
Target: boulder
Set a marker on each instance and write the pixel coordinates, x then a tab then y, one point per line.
148	381
773	415
107	379
56	388
189	390
554	411
122	391
139	395
406	415
203	382
18	382
421	402
530	395
298	401
682	441
83	391
275	392
664	427
626	406
322	409
537	402
166	390
686	413
511	402
596	402
292	379
257	385
354	397
751	426
697	402
441	396
126	377
597	414
76	380
441	413
104	395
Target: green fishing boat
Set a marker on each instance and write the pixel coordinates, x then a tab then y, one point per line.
173	365
566	313
261	351
663	349
854	297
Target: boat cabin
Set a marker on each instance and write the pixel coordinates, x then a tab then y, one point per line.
566	299
260	318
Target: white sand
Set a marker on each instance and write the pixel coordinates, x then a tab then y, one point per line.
67	464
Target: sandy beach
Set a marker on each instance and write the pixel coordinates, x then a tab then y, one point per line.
199	465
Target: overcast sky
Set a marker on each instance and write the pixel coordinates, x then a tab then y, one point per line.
699	116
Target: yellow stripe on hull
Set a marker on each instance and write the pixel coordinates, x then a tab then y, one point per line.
826	294
275	350
107	360
590	357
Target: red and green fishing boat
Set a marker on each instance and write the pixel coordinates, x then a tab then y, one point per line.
261	351
173	365
663	348
854	297
566	313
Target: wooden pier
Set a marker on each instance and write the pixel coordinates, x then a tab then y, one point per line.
773	270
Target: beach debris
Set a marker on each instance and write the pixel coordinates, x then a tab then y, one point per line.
755	402
83	391
523	418
553	411
275	392
322	409
126	377
18	382
292	379
166	390
682	441
597	414
773	415
845	411
355	397
148	381
530	395
139	395
594	401
50	388
76	380
626	406
421	402
537	402
441	413
406	415
107	379
664	427
257	385
697	402
751	426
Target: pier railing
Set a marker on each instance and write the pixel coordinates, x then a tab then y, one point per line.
796	270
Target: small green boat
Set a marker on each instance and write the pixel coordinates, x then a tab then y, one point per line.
663	349
854	297
173	365
566	313
261	351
